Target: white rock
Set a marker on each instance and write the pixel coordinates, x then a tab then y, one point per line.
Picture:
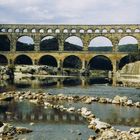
31	123
33	101
109	100
103	100
94	98
101	125
129	103
115	102
135	130
84	109
117	98
60	95
46	103
123	99
137	104
71	109
88	101
21	98
93	121
87	113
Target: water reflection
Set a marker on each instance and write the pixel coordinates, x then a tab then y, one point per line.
100	80
70	86
72	81
26	112
113	114
49	124
44	82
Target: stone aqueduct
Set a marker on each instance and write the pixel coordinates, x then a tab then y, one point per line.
85	32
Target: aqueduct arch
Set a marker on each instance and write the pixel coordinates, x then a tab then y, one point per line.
100	62
49	43
130	58
4	43
3	60
128	43
23	60
11	32
72	61
100	43
48	60
25	43
73	43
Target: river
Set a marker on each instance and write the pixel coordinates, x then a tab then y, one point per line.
54	125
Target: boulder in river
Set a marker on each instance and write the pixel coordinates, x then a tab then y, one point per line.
7	130
9	98
23	130
120	100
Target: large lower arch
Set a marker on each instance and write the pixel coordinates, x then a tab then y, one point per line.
125	60
23	60
3	60
100	62
72	61
4	43
48	60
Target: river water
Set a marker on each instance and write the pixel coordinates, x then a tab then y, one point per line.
53	124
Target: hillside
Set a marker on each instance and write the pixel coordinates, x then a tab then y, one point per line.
128	48
24	46
68	46
49	44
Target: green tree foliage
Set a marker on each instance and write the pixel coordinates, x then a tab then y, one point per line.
49	44
128	48
24	46
134	56
72	62
104	49
72	47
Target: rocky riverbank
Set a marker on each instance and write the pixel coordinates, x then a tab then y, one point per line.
8	131
129	75
103	130
130	83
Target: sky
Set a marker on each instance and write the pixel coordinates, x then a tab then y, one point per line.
70	11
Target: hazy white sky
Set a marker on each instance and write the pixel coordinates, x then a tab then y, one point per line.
70	11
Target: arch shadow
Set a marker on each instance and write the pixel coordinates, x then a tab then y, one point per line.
3	60
72	61
23	60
